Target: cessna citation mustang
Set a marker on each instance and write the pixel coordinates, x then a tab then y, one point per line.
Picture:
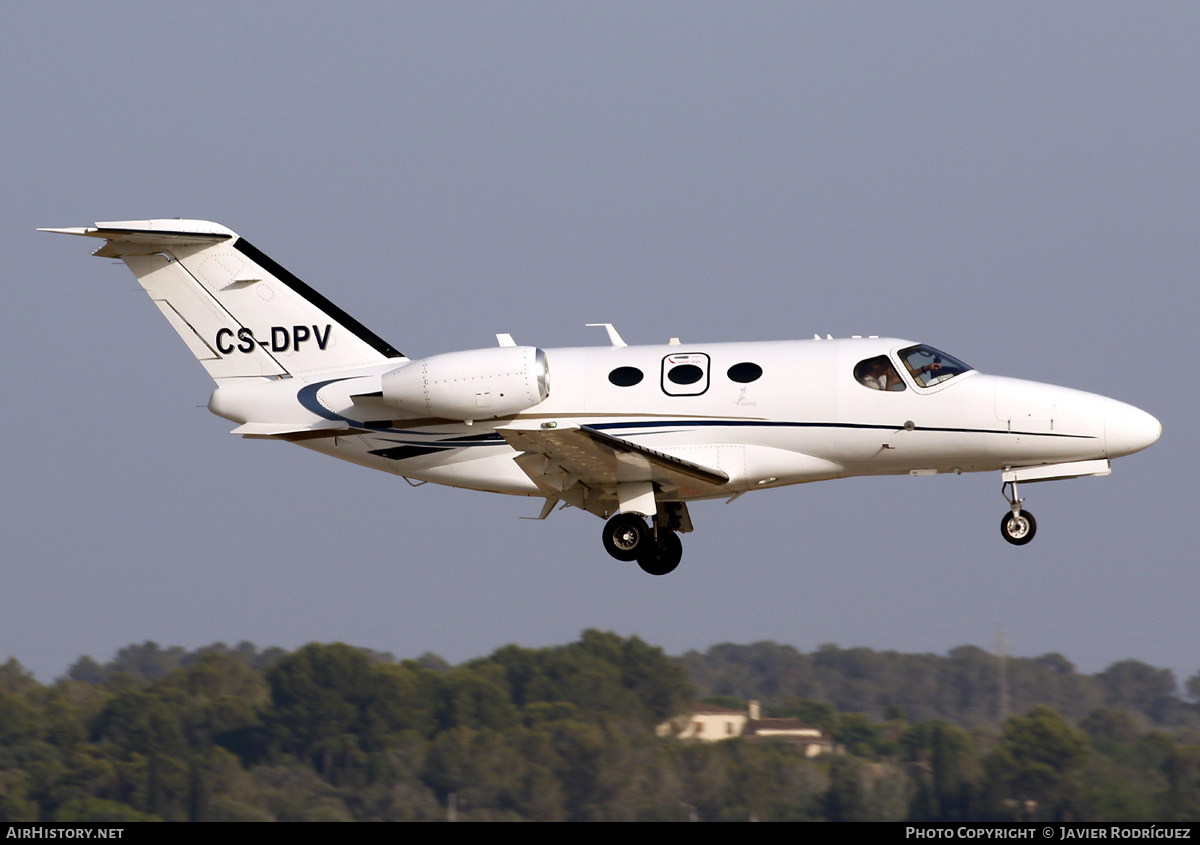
628	433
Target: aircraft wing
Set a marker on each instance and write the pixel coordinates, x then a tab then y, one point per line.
558	458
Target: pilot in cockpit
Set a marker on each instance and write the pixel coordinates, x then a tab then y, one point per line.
879	374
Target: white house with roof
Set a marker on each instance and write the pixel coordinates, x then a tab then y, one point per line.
710	723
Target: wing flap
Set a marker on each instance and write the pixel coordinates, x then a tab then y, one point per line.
556	458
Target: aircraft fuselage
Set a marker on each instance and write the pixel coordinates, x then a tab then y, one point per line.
805	418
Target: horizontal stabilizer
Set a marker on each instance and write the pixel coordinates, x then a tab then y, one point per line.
288	431
149	236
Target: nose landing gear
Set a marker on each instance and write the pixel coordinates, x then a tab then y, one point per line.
1018	526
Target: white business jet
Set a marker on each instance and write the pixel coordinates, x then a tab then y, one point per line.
628	433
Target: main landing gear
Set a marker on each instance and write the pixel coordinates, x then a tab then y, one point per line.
657	550
1018	526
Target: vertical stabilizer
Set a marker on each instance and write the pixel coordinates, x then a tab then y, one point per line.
241	313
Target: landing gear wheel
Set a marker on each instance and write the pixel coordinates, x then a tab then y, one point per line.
1018	528
625	535
662	557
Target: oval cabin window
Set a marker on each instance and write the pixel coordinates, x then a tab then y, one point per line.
625	376
745	372
685	374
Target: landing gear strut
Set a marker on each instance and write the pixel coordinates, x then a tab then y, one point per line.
657	550
1018	526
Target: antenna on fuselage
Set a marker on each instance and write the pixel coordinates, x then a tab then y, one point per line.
613	337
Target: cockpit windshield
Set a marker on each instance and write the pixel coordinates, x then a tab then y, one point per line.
930	366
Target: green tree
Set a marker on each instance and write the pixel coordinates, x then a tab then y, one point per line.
1181	800
1133	685
1035	759
945	773
318	695
846	798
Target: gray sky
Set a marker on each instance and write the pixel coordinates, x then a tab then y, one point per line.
1017	184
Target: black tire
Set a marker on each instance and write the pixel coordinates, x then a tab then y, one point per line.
662	557
1018	530
625	535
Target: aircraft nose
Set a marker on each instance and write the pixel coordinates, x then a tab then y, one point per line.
1128	429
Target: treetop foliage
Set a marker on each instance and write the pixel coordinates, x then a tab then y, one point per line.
332	732
963	687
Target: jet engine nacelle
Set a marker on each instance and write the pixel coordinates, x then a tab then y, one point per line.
472	385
